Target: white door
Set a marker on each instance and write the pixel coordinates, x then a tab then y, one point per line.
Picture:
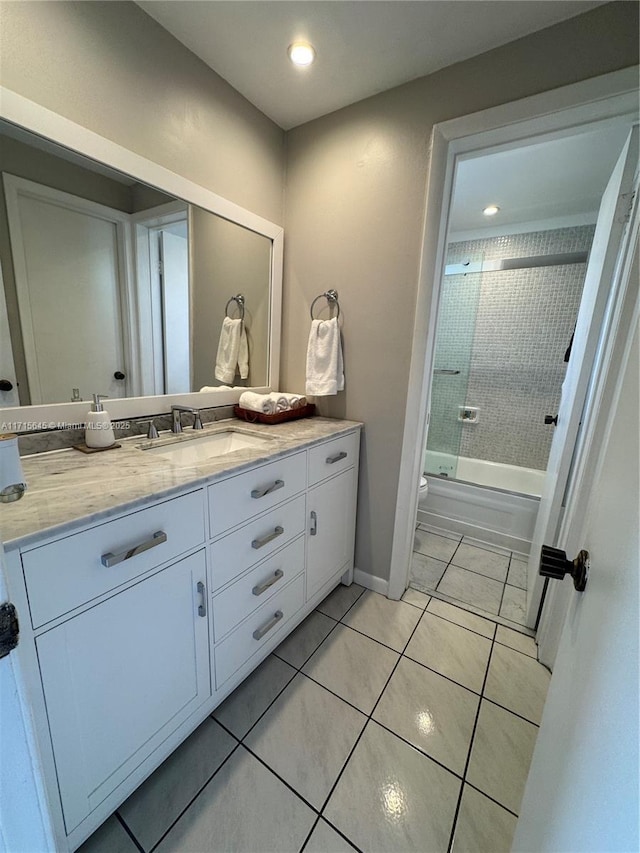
593	307
582	790
108	708
174	253
67	268
8	395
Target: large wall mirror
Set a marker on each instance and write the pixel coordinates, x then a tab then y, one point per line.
119	277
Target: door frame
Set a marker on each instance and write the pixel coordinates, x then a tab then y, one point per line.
601	101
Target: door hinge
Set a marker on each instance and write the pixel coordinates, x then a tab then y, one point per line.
9	628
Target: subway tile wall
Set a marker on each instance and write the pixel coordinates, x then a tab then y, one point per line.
522	323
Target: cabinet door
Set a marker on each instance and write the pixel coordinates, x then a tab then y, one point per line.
120	677
331	531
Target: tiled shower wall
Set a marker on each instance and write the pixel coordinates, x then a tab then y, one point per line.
524	320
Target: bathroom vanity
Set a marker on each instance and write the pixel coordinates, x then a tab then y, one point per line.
150	583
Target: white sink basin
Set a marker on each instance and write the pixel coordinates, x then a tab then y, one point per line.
200	448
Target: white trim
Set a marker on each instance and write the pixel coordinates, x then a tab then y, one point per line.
561	111
372	582
33	117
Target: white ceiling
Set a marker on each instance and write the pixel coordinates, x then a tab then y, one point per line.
363	46
556	179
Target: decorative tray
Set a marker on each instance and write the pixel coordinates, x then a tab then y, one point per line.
278	418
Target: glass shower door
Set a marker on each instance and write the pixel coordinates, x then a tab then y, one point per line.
454	343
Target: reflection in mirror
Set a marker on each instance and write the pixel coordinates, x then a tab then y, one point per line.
111	286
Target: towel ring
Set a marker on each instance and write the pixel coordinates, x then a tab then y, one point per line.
239	300
332	298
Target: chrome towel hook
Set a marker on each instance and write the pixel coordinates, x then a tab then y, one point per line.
332	298
239	300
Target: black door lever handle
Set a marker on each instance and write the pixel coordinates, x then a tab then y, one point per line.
551	419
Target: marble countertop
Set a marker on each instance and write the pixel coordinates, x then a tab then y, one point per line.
67	489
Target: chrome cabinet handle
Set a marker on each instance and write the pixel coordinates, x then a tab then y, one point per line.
202	607
259	543
110	559
331	459
314	523
259	633
261	493
264	586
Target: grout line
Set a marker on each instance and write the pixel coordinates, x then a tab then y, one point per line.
504	586
128	831
384	645
369	717
518	627
419	749
278	776
480	574
473	735
493	800
451	622
446	677
193	799
511	711
310	833
348	840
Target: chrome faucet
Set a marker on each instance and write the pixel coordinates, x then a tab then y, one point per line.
176	423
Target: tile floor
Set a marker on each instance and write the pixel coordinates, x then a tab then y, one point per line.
375	726
486	577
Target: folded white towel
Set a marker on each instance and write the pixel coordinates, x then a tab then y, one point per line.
325	370
215	388
255	402
233	351
295	401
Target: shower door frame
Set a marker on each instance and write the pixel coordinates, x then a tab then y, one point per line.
562	112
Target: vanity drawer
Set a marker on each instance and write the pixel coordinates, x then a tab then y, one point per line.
237	601
257	630
333	456
233	501
233	554
69	572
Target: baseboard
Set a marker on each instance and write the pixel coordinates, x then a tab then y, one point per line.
371	582
475	531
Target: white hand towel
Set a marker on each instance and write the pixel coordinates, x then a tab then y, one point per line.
233	351
295	401
325	370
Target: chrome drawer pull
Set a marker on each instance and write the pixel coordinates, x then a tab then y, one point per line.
314	523
259	633
202	607
331	459
264	586
110	559
259	543
261	493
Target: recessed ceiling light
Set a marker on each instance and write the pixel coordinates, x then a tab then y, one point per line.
491	210
301	53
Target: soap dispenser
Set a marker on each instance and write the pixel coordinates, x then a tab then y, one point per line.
98	430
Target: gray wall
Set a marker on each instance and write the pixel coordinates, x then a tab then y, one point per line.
110	67
355	205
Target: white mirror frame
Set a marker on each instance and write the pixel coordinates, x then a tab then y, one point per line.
39	120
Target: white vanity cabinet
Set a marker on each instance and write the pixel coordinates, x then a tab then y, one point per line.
135	628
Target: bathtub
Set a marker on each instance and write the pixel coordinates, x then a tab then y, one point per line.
488	501
496	475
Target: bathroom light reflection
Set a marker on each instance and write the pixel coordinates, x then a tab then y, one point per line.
394	801
425	723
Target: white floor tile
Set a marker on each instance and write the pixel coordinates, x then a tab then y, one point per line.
482	825
243	808
353	666
306	737
450	650
158	802
252	698
501	755
324	839
391	798
483	562
340	600
472	588
302	643
389	622
516	640
517	575
462	617
430	712
514	605
517	682
425	572
434	545
111	837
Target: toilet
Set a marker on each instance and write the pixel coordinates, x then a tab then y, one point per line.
423	489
